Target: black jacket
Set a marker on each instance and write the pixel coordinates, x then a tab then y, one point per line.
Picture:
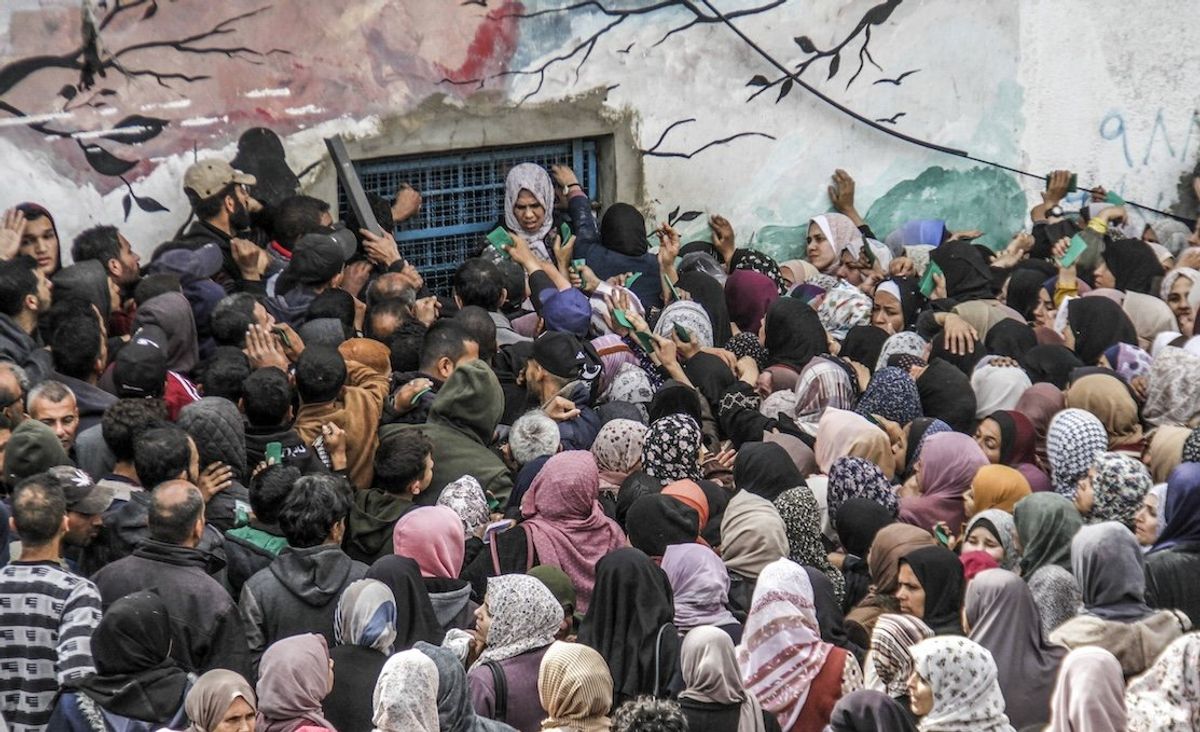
1171	580
205	624
349	705
22	349
296	453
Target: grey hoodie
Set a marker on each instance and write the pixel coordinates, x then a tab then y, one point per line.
297	593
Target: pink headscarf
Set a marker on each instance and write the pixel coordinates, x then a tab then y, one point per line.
432	536
841	433
843	236
748	295
565	523
949	461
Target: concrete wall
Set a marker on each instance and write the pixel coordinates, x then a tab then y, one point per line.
100	126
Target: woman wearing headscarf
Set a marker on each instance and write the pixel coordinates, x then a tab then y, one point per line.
529	207
618	452
756	261
930	587
783	661
433	537
1011	339
622	245
1095	324
454	709
825	383
1021	293
406	695
137	685
997	388
516	623
1003	618
466	498
883	561
802	521
1172	391
752	536
843	308
1176	287
689	316
1107	398
889	665
1167	697
637	639
830	236
671	450
868	711
713	697
947	466
1147	521
1039	404
1172	563
995	486
954	687
856	529
655	522
1089	695
855	477
1128	264
700	586
946	394
1106	560
994	533
564	526
895	305
220	700
764	469
1009	438
1150	317
1113	489
707	499
1164	451
1050	365
920	430
892	394
1073	440
841	433
1046	523
415	619
903	344
294	677
575	688
969	285
748	295
709	294
364	629
793	336
862	347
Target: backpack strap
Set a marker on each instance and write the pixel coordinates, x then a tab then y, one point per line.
658	657
500	682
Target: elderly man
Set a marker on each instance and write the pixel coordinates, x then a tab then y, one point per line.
53	404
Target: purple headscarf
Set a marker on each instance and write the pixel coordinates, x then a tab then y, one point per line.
949	461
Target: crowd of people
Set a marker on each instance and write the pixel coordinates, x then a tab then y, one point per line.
268	481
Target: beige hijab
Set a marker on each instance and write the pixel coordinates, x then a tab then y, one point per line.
210	698
1166	450
575	688
710	673
752	534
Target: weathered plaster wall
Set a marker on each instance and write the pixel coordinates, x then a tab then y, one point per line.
1035	84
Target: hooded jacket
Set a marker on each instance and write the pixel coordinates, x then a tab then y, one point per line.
580	432
172	313
461	424
296	453
356	411
24	350
297	593
87	280
372	519
215	425
205	623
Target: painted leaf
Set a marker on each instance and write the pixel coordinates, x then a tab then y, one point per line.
68	91
689	216
783	92
834	64
107	92
126	203
139	129
105	163
758	80
150	11
671	216
805	43
149	205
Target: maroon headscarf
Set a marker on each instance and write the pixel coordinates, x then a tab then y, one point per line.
1040	403
565	523
1018	447
748	294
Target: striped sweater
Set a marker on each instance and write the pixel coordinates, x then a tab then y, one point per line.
47	616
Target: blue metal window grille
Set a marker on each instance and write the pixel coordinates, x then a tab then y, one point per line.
462	198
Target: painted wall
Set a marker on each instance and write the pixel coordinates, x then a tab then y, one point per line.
104	104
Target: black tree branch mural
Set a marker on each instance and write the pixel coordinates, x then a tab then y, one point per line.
93	61
654	150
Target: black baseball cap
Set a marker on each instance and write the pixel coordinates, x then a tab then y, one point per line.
141	368
559	353
317	258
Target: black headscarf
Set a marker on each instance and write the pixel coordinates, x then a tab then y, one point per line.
947	395
631	603
675	398
1098	324
709	374
655	522
1010	338
711	296
870	711
911	298
718	499
135	674
638	484
964	362
415	620
758	262
1023	288
623	230
1051	364
863	344
857	522
941	576
968	276
794	333
916	433
765	469
1134	265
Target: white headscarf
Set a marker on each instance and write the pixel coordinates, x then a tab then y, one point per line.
533	178
966	695
405	697
1167	696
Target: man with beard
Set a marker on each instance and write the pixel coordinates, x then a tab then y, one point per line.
224	209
